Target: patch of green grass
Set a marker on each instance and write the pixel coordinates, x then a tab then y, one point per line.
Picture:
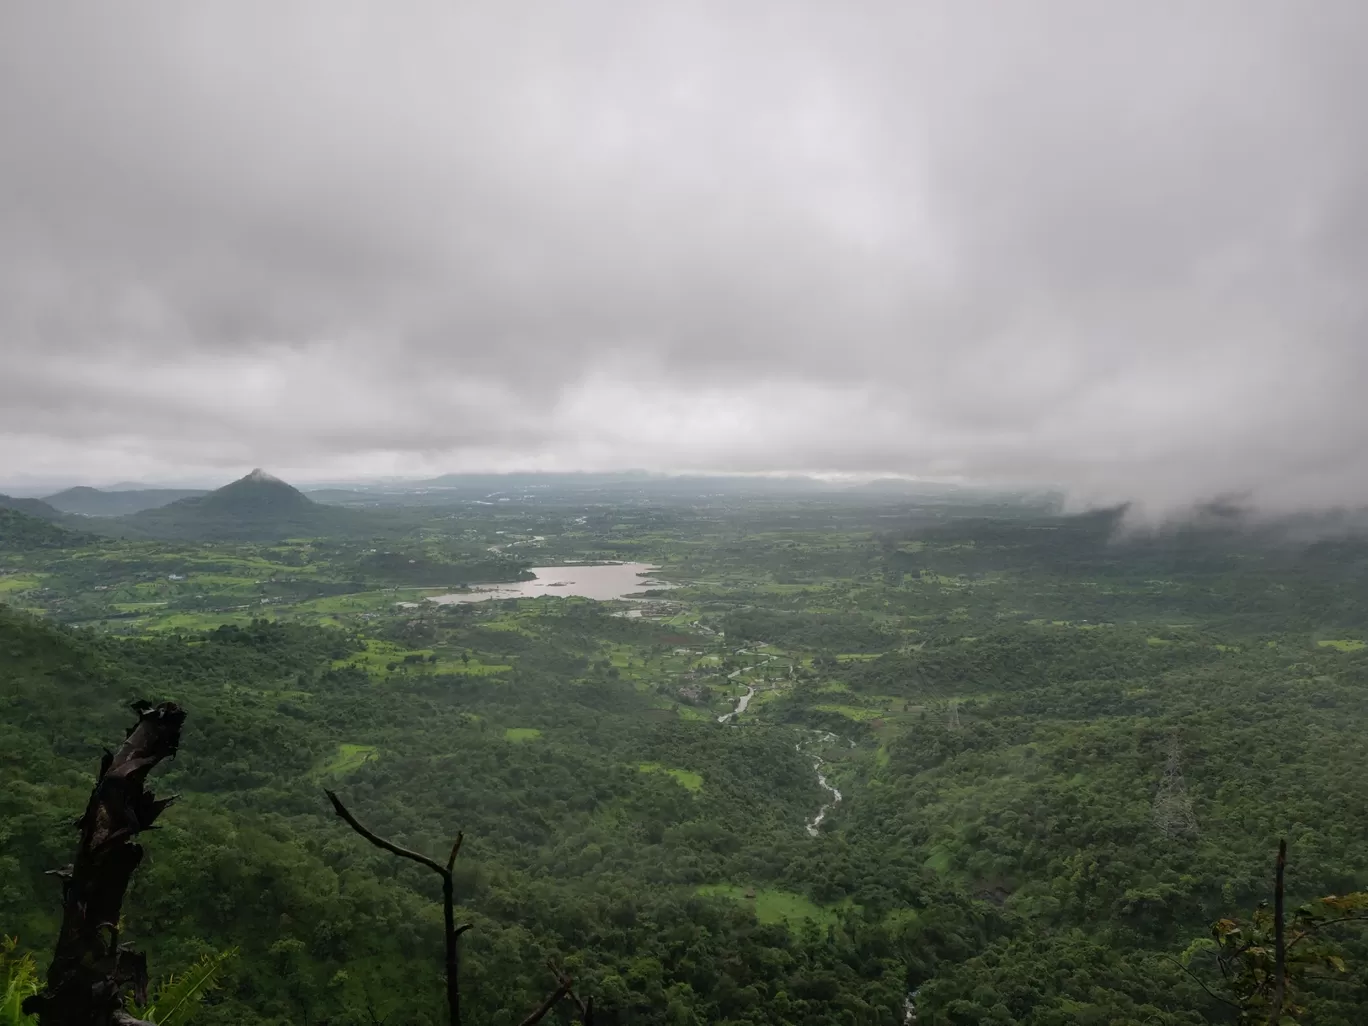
1157	642
521	734
19	582
852	712
685	778
940	860
773	905
348	758
199	621
1342	644
688	712
377	657
762	697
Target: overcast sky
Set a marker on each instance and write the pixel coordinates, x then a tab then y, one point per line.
1120	247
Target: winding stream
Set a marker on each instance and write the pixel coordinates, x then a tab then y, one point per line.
741	704
814	825
744	700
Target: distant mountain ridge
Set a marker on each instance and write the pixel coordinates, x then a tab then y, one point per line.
258	507
96	502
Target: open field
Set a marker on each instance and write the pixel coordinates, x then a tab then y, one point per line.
688	780
772	905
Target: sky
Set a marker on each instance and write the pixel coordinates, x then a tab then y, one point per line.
1117	248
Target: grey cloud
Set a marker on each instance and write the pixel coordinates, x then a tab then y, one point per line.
1116	247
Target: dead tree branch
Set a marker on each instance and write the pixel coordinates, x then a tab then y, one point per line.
453	932
90	970
1279	938
390	846
586	1007
548	1004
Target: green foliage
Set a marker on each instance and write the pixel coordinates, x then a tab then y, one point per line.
175	1000
19	978
1245	954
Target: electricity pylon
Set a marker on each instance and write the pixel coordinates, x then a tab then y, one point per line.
1172	806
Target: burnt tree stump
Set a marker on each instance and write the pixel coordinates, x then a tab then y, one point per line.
90	970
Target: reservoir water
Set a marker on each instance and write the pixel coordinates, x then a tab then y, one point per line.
603	582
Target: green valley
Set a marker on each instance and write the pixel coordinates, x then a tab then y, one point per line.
1062	752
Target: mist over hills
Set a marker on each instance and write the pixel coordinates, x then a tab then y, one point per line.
627	485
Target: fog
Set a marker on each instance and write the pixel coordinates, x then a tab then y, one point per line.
1113	248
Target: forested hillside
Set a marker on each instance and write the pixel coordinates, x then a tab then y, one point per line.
1060	759
572	850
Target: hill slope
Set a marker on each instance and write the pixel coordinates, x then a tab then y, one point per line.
257	507
31	507
93	502
19	530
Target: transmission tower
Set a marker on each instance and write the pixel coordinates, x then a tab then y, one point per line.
954	723
1172	807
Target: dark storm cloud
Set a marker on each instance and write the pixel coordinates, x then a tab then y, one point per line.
1117	247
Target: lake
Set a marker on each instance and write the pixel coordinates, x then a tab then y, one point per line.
608	581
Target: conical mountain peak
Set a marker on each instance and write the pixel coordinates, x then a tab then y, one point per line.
258	505
257	496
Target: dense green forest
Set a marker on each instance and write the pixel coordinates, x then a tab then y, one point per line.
1063	752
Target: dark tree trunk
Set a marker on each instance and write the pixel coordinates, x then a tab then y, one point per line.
1279	938
90	971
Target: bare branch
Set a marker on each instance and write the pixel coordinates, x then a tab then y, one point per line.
1310	928
586	1009
1198	980
548	1004
452	931
379	841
